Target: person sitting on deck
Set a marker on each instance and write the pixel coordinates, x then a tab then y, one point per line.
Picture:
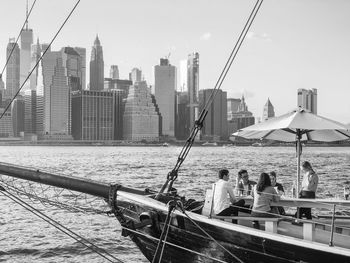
244	186
224	200
263	194
279	189
308	188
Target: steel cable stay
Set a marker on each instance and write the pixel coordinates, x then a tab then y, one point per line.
172	175
103	253
41	57
20	32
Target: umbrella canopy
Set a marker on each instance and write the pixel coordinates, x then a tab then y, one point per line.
298	125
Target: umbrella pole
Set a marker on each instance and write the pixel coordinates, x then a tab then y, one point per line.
298	161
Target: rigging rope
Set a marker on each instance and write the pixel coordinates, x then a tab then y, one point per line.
103	253
20	32
172	175
38	61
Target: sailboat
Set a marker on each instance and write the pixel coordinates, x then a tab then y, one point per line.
170	228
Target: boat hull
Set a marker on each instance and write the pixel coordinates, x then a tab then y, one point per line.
185	242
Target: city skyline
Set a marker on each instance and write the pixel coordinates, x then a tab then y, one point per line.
292	44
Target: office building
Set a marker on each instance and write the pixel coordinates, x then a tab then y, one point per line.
240	119
30	111
182	127
141	121
2	90
40	103
114	72
96	66
232	107
35	55
17	113
12	70
135	75
215	124
25	53
165	88
93	115
82	52
307	99
269	111
193	86
6	127
73	63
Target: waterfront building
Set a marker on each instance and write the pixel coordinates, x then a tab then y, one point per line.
12	70
25	53
30	111
121	85
82	52
93	115
35	55
141	121
215	123
193	86
96	66
17	113
183	76
73	63
114	72
240	119
164	92
6	127
40	103
307	99
269	111
182	121
232	107
135	75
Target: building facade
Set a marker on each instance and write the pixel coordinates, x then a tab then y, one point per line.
307	99
164	92
6	127
17	113
96	66
25	53
240	119
141	121
93	115
30	111
215	123
12	70
193	86
114	72
182	127
269	110
135	75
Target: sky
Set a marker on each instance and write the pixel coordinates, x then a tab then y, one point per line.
292	44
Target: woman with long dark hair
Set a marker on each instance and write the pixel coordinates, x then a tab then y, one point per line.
264	194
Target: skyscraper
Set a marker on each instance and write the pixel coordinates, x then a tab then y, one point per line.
114	72
141	121
30	111
35	55
307	99
25	52
2	90
135	75
215	123
183	76
269	111
73	62
193	86
165	88
240	119
12	70
17	113
82	52
96	66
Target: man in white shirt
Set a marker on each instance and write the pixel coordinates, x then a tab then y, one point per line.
224	201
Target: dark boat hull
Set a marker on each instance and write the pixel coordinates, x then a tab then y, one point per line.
185	242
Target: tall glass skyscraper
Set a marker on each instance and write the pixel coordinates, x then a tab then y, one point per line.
12	69
96	66
165	88
193	86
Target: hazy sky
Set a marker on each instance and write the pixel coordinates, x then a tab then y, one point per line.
292	43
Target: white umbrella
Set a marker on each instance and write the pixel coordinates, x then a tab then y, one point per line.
298	125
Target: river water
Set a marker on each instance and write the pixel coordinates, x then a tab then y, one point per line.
26	238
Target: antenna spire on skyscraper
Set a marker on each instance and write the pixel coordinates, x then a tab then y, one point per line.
27	16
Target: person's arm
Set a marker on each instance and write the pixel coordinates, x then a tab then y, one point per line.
313	181
275	196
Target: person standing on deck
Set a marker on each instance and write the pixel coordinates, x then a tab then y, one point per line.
308	188
224	200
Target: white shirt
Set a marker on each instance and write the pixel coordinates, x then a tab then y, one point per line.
222	192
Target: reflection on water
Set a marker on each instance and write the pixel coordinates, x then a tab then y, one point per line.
25	238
